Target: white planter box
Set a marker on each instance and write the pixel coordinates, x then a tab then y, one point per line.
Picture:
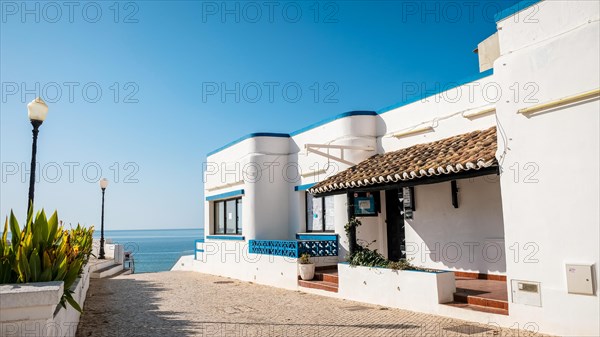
405	289
33	308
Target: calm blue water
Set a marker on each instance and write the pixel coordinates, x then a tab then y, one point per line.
155	250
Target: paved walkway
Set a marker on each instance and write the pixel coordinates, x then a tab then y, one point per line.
195	304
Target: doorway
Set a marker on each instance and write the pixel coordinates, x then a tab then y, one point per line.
396	237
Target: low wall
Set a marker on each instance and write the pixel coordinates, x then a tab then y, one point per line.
405	289
33	309
231	258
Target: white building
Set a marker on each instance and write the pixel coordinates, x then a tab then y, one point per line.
503	172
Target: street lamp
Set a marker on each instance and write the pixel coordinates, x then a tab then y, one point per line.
103	186
37	111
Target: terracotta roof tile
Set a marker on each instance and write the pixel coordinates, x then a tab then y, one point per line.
470	151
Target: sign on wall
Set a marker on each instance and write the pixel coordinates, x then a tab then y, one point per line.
408	202
365	203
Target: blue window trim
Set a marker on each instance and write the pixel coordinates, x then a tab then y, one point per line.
322	237
436	92
514	9
226	237
303	187
225	195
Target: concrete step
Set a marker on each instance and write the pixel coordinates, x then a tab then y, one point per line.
109	271
122	272
316	284
479	308
333	278
100	264
464	296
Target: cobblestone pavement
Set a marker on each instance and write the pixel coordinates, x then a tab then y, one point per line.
195	304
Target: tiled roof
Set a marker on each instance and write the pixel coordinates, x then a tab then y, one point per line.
470	151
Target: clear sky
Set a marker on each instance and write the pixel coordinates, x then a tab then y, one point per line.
135	89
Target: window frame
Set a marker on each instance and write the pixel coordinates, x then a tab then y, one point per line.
238	229
324	210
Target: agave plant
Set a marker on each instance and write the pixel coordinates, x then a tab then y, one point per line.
44	251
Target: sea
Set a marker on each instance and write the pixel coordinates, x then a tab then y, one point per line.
157	249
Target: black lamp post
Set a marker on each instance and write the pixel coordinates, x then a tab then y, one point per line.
103	185
36	110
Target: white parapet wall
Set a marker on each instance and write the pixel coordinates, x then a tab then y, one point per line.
405	289
33	309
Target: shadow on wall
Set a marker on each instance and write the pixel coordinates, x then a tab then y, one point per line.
469	238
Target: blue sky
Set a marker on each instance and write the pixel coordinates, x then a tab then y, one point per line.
135	89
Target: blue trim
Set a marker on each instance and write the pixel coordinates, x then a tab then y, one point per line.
285	135
514	9
324	237
304	187
225	195
331	119
226	237
433	93
358	112
252	135
196	250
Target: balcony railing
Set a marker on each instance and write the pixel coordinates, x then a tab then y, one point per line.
315	246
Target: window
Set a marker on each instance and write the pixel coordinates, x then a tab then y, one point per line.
228	216
319	214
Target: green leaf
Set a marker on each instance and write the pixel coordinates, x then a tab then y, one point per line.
5	272
40	231
15	230
72	301
72	274
35	266
61	269
52	227
5	232
23	266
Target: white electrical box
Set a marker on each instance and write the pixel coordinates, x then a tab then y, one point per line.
580	279
526	292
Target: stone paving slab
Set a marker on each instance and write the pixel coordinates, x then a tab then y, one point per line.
195	304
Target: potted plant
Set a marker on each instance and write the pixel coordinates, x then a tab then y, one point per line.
307	268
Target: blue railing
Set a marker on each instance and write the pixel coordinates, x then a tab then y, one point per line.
274	247
196	250
317	246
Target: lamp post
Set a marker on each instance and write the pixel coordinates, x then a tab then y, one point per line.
103	185
36	110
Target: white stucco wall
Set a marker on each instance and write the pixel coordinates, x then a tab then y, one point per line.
413	290
469	238
30	309
551	210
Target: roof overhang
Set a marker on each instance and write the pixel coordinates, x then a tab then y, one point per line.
462	156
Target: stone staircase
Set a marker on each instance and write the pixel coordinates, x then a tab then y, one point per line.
106	268
326	278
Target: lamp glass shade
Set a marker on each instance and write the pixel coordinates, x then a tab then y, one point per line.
103	183
37	110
